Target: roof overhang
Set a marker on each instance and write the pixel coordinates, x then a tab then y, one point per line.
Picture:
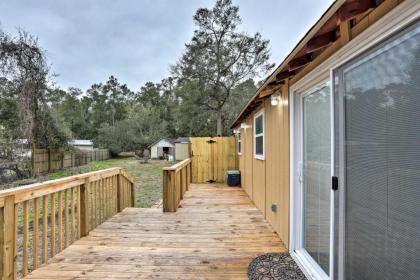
319	36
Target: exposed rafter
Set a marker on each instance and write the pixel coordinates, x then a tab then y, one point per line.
284	75
300	62
321	41
352	9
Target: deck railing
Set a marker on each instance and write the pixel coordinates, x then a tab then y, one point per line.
68	209
176	181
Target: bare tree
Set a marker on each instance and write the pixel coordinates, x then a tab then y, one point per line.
23	64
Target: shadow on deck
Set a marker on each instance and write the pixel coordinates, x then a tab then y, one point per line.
214	235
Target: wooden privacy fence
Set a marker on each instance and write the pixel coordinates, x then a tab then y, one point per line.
176	181
45	160
68	209
212	157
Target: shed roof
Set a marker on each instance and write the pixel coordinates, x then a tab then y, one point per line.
81	142
169	140
182	140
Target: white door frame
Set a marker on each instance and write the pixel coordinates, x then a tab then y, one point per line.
310	267
400	17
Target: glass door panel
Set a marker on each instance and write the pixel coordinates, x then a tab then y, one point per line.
381	160
316	175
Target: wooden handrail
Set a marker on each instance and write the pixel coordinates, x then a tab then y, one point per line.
178	165
176	181
85	201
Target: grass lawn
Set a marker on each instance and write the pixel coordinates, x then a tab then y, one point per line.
147	177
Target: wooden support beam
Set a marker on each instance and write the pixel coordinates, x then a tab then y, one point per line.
321	41
345	32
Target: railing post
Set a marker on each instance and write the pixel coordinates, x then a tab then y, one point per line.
133	195
120	201
8	238
188	175
168	191
84	209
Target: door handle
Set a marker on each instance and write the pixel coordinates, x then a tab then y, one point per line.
334	183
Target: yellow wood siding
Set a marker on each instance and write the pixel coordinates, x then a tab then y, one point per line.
267	181
277	166
247	155
258	170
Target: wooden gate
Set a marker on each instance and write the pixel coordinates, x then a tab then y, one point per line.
212	157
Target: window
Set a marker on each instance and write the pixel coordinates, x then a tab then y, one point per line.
240	142
259	135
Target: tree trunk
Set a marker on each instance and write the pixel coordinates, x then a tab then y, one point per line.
219	124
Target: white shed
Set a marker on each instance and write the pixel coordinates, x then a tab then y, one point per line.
162	147
182	148
82	144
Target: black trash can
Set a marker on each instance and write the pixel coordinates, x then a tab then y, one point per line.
233	178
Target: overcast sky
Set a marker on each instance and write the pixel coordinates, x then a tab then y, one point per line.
137	40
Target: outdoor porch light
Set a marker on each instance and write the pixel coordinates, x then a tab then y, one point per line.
244	125
275	98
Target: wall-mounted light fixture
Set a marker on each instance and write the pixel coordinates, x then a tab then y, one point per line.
244	125
236	131
275	99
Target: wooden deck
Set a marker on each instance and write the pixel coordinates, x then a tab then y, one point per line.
214	235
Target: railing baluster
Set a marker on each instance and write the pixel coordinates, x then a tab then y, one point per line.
84	209
96	202
124	193
108	199
60	221
25	245
53	224
44	229
120	201
91	206
101	201
78	212
35	234
66	217
73	214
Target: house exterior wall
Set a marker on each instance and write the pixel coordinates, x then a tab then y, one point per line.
277	166
267	182
246	158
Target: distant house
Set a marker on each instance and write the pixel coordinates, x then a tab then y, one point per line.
162	147
82	144
182	148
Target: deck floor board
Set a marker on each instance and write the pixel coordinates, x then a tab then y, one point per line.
215	234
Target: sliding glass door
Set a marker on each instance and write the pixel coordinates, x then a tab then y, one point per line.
378	146
314	178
